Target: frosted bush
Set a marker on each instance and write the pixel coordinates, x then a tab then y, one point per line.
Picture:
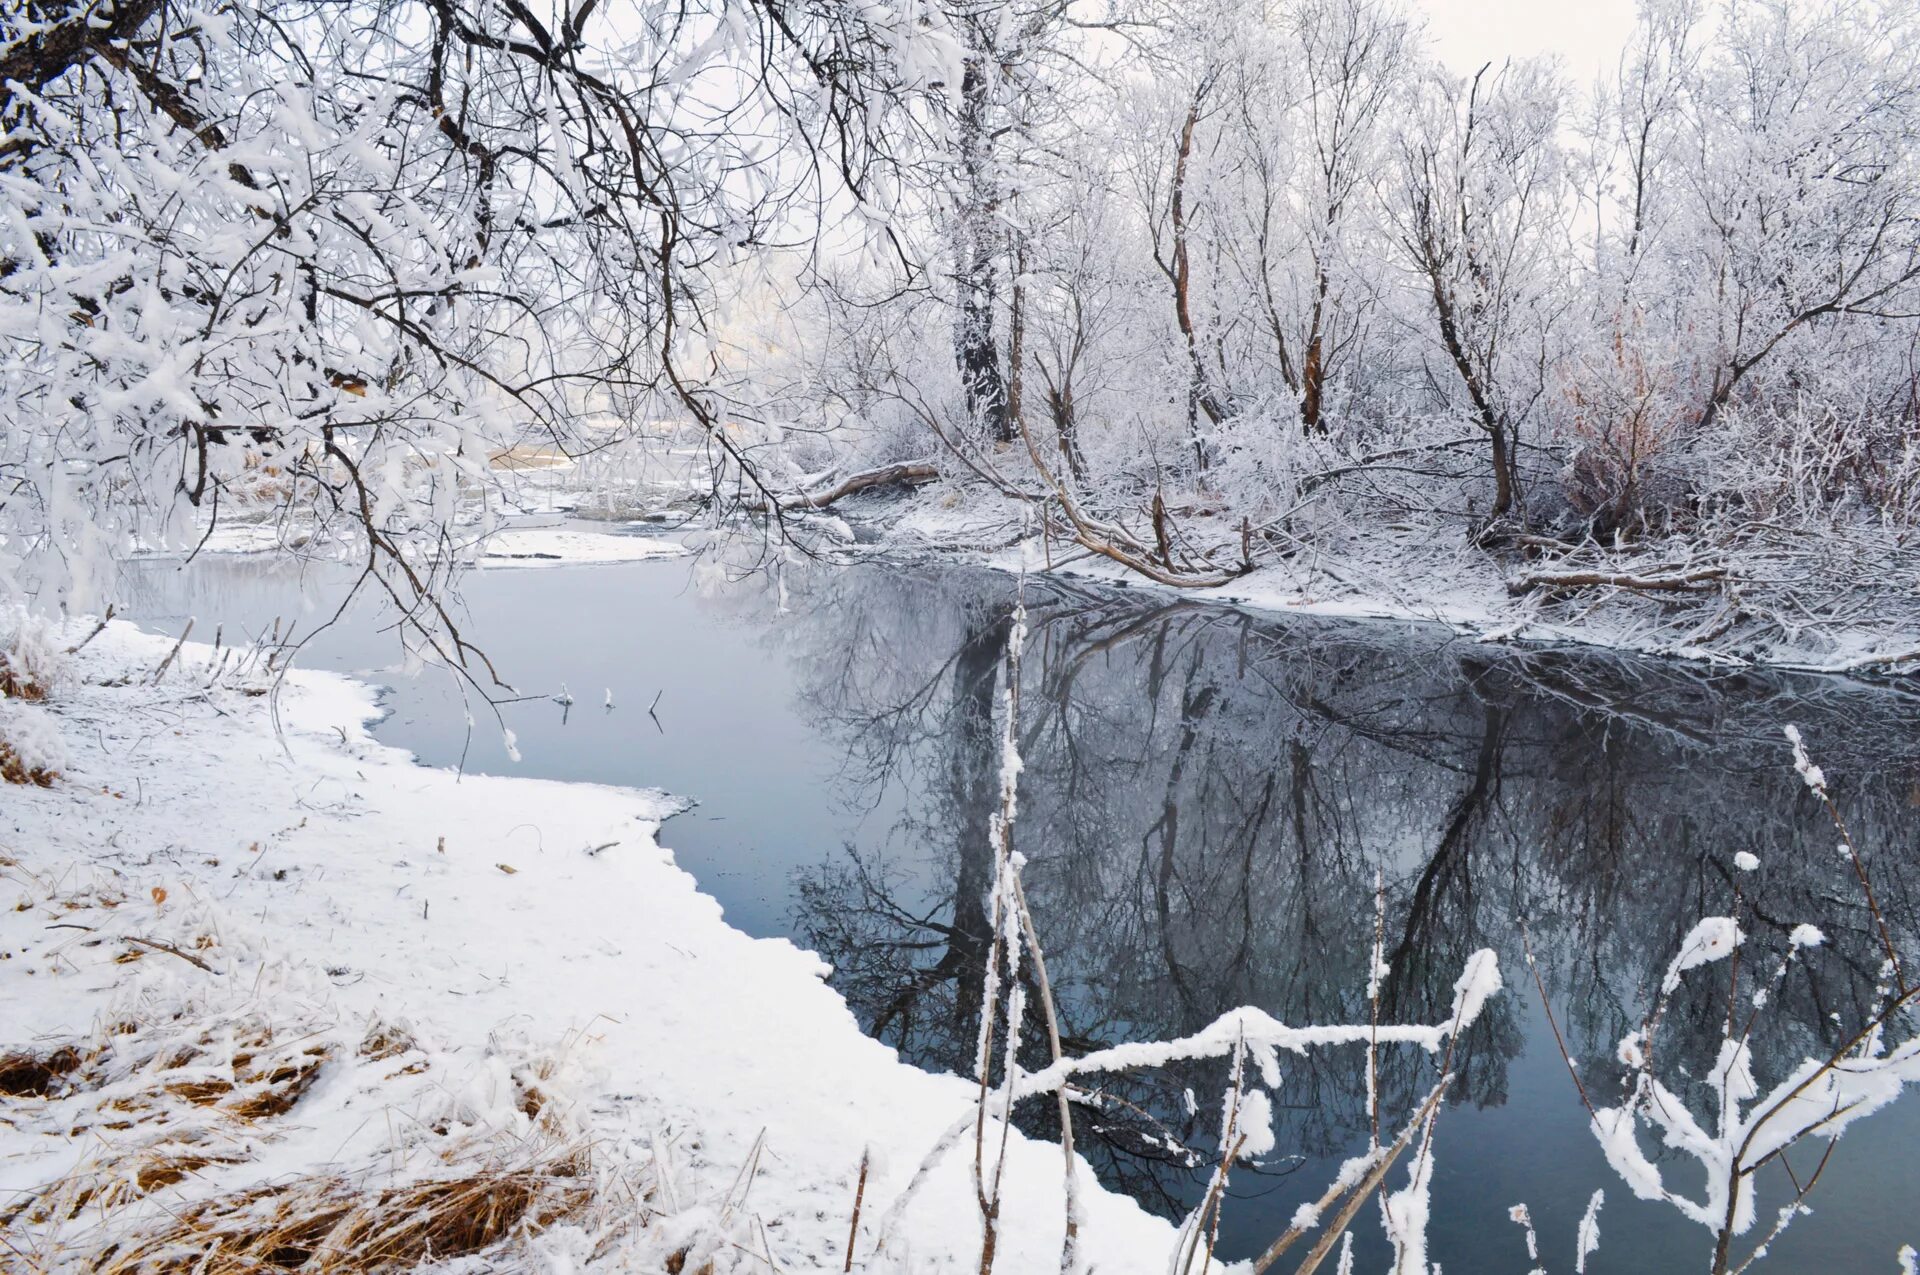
32	661
31	749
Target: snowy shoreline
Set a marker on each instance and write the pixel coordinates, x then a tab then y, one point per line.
1479	610
1474	608
195	865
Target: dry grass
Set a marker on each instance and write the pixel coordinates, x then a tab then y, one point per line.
330	1223
27	1074
15	769
239	1125
19	683
174	1109
250	1076
161	1104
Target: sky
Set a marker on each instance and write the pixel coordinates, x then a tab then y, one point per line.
1586	34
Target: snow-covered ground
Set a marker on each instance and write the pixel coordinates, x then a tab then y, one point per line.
222	876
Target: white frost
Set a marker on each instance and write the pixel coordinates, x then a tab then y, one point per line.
1588	1239
1811	774
1713	939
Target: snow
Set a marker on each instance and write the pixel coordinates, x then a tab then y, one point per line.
1405	1212
1811	774
1746	1126
1588	1239
1806	936
336	883
29	738
538	539
1255	1123
1520	1217
1712	939
1476	985
1469	597
575	545
1613	1127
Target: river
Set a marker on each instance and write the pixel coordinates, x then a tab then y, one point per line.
1208	799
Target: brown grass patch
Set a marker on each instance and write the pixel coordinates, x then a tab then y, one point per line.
13	770
261	1079
25	1074
177	1106
385	1040
329	1224
165	1170
16	683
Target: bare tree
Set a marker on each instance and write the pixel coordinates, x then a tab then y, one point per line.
1479	219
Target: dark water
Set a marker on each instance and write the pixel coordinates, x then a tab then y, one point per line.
1208	797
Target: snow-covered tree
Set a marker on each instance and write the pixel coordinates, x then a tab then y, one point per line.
330	258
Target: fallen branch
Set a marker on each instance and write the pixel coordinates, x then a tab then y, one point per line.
1309	482
157	946
859	1195
911	473
151	944
98	629
1695	581
168	662
1355	1194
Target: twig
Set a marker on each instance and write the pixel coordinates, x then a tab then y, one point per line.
1070	1245
1358	1196
1526	943
859	1194
168	662
98	629
170	949
155	944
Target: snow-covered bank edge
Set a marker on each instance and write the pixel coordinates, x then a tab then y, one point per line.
1474	603
531	540
512	936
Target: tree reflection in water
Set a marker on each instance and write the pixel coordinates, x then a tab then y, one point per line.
1208	798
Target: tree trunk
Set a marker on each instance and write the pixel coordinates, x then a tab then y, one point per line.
1199	397
1313	372
1066	429
1489	417
974	776
976	239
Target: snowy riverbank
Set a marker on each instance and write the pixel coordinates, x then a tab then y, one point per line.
286	959
1444	580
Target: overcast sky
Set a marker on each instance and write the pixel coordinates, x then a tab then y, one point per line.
1587	34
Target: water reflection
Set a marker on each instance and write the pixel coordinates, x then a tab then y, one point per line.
1207	802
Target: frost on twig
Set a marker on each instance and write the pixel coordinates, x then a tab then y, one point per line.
1747	1125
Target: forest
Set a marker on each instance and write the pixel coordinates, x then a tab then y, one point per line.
1200	293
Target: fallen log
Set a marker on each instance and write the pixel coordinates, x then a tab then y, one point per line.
1696	581
909	472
